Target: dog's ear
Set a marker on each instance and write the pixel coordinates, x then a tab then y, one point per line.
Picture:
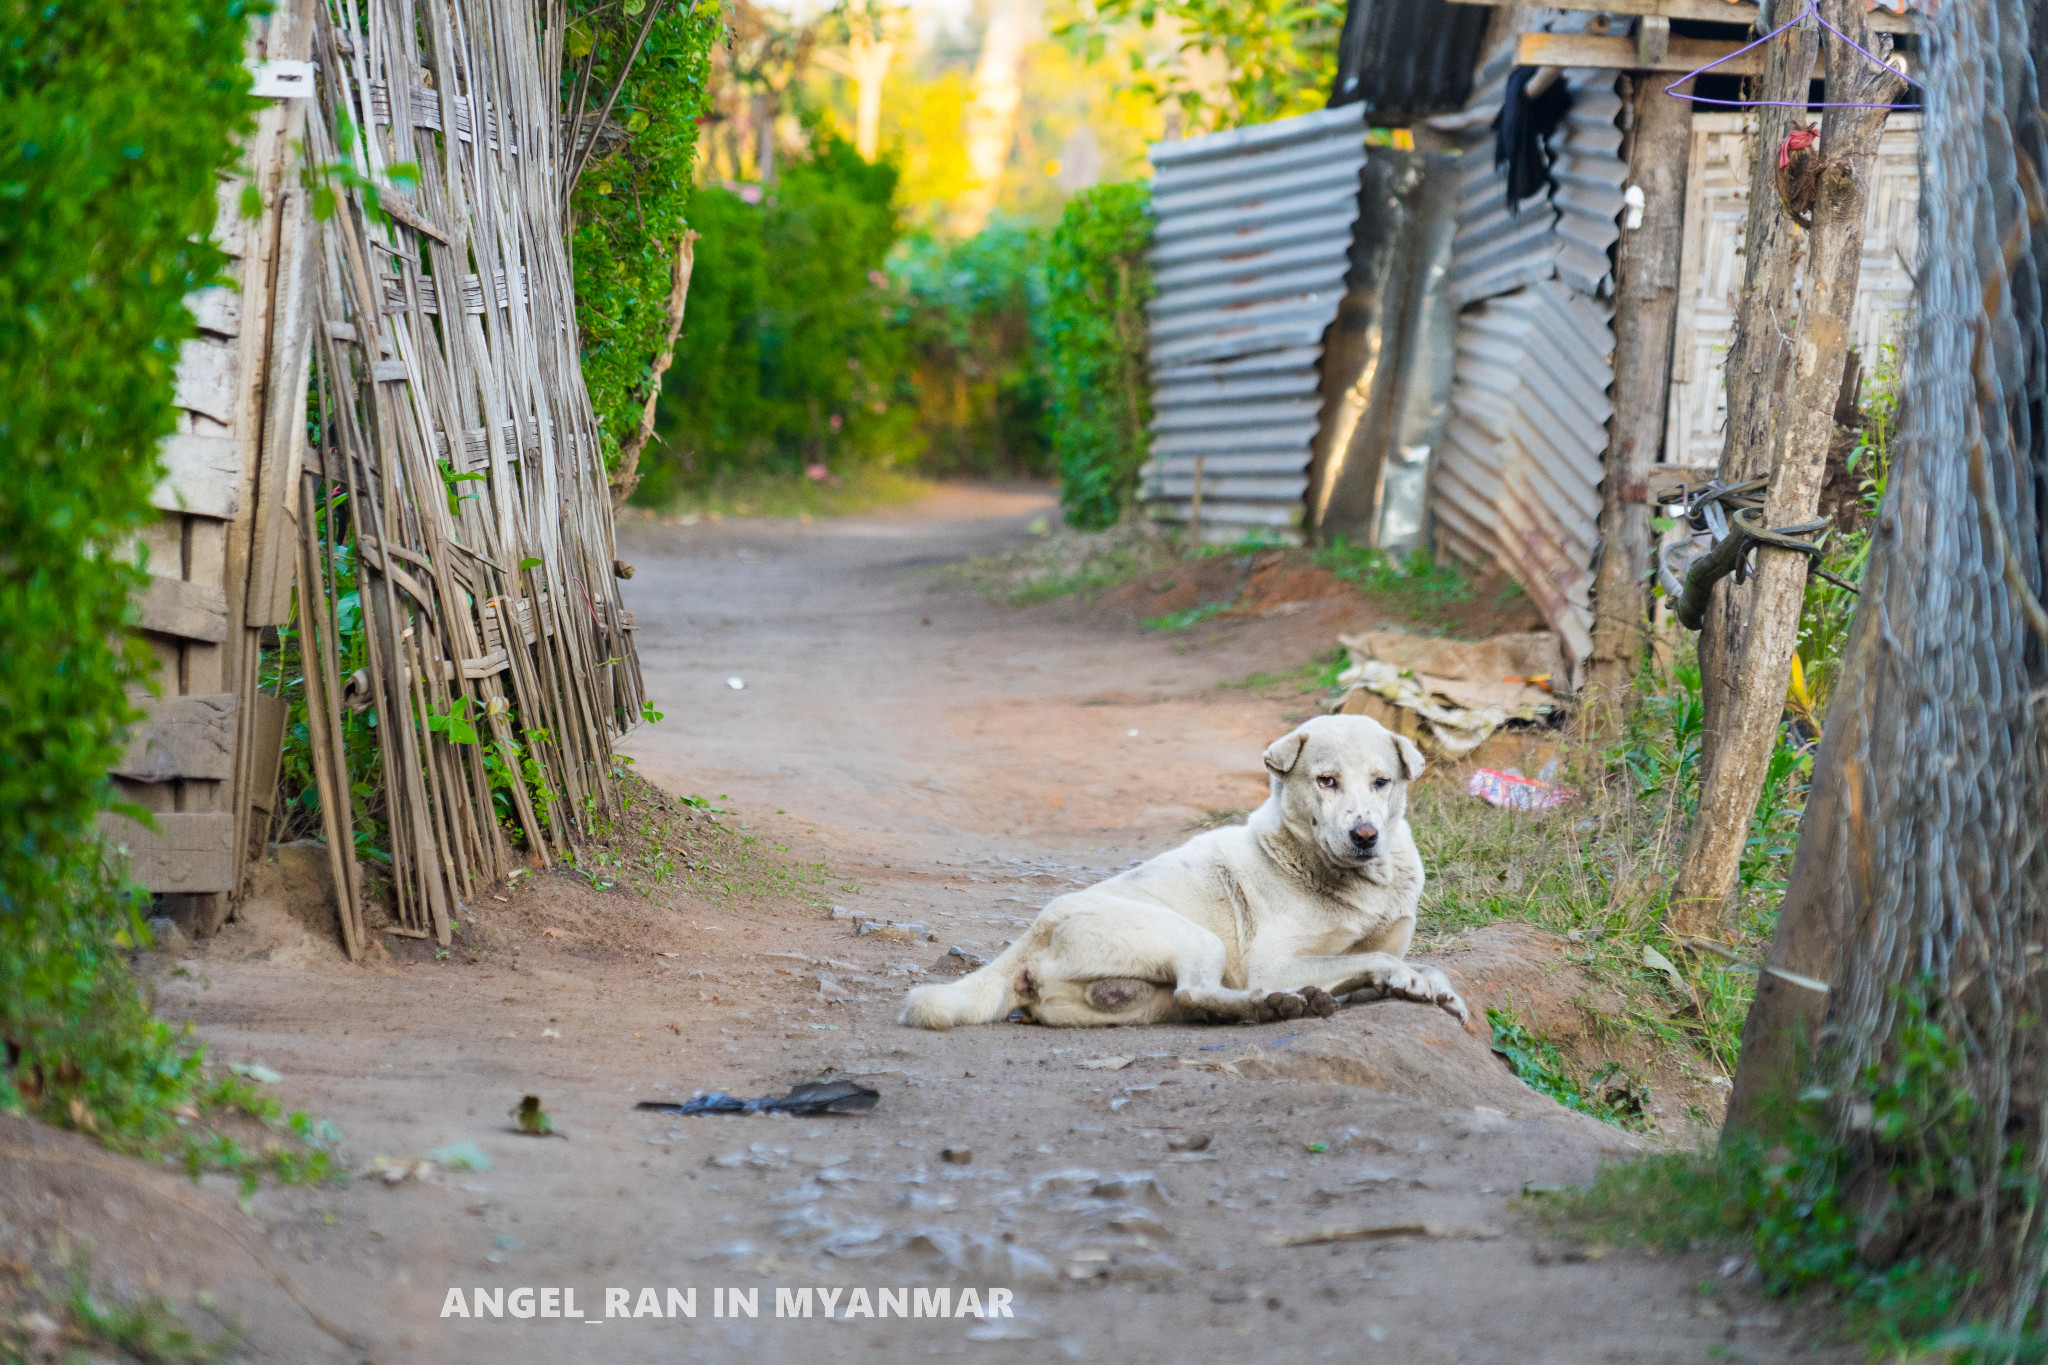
1411	757
1283	753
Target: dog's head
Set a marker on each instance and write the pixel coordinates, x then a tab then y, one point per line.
1341	783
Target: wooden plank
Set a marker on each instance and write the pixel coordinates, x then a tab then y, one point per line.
1710	11
217	310
189	611
202	477
272	549
410	214
268	715
1619	54
206	379
186	853
183	737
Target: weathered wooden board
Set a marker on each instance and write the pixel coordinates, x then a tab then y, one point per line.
190	611
217	310
1713	11
184	737
188	853
1620	54
267	744
202	477
206	379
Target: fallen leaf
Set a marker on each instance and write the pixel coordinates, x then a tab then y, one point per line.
1107	1064
551	933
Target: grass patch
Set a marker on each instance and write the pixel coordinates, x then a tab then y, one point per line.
1193	616
659	844
1067	563
1789	1207
1599	869
85	1321
1417	583
1317	675
796	496
1610	1094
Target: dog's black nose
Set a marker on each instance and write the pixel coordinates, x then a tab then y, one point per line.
1365	837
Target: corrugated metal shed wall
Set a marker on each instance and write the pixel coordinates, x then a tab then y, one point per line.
1517	478
1403	58
1249	254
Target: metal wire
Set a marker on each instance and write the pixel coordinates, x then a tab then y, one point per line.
1940	876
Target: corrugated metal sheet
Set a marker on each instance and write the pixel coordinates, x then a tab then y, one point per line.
1406	58
1517	478
1249	255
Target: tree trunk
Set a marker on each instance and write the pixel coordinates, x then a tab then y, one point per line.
1759	360
992	117
1818	341
627	476
1645	308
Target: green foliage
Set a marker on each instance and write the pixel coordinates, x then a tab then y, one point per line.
630	202
119	116
968	306
1092	333
283	675
1791	1205
1280	55
790	361
1193	616
1418	581
1608	1095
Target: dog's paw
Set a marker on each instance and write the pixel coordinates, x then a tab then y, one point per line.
1311	1001
1444	997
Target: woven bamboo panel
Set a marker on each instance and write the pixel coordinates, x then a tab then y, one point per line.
457	459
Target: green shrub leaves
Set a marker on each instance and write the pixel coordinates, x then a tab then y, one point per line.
1092	335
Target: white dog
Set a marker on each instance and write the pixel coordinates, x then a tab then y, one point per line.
1311	899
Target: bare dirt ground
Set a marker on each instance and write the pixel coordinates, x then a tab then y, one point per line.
922	756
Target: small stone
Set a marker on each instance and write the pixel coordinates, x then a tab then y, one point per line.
1190	1142
956	1156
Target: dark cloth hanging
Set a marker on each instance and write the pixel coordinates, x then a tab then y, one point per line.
1520	132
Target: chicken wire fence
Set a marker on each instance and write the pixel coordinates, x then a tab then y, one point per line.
1922	864
457	580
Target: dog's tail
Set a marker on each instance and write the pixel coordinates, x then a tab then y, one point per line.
982	996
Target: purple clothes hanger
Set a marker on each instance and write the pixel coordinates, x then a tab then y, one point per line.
1672	88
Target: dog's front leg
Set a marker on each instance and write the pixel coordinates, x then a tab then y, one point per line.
1382	973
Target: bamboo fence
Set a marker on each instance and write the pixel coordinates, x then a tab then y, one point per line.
455	471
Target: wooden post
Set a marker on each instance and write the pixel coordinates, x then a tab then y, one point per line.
1645	309
1793	450
1195	511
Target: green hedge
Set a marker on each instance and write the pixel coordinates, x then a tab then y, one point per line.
980	389
114	118
790	357
1092	334
629	205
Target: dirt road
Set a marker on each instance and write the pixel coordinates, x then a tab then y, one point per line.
948	763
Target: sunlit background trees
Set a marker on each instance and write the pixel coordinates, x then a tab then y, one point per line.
875	186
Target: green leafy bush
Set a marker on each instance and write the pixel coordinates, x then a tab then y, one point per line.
790	359
119	116
630	202
968	308
1787	1203
1092	334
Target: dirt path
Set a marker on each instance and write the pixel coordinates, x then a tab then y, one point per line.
954	764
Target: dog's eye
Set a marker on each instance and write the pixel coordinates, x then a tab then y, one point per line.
1327	781
1380	784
